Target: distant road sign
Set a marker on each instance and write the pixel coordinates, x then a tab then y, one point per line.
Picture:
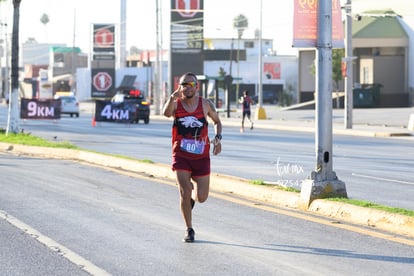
102	81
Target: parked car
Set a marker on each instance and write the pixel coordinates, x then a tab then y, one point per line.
269	96
70	104
135	102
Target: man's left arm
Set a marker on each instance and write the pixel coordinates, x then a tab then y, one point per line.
212	113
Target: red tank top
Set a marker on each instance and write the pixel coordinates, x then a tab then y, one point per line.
190	132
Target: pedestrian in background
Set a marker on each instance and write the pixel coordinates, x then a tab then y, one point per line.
246	102
191	145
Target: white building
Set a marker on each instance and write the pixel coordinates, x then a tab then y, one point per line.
278	72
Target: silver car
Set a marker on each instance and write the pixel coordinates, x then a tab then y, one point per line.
70	105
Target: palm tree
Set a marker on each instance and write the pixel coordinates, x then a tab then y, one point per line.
13	126
240	23
45	19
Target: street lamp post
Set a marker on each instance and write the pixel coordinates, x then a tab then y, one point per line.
239	36
260	111
13	123
240	24
323	181
349	68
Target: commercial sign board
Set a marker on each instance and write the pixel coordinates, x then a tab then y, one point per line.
103	82
305	24
186	38
104	57
104	38
40	108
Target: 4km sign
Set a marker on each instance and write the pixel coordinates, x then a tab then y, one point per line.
104	38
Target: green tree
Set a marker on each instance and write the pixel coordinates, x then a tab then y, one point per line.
222	73
337	55
45	19
240	23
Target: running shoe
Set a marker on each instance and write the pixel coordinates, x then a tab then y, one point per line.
189	237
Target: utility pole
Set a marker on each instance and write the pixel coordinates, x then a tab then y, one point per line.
239	33
349	66
13	124
323	181
74	55
122	37
260	111
157	71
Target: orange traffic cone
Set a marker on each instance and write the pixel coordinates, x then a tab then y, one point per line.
93	122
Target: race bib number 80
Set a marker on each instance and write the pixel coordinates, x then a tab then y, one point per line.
192	146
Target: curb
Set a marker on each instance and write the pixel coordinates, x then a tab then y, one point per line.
395	223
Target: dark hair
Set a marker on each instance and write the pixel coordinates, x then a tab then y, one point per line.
246	91
190	74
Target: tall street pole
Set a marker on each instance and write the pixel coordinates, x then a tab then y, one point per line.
239	33
260	111
74	55
349	67
323	181
13	126
122	37
157	71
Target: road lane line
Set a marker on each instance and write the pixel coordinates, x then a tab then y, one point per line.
54	246
383	179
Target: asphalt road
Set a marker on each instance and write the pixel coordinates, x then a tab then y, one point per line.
120	224
375	169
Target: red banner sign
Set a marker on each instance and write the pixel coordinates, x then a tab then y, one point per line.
305	24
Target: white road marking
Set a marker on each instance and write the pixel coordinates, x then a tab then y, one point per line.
383	179
55	246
